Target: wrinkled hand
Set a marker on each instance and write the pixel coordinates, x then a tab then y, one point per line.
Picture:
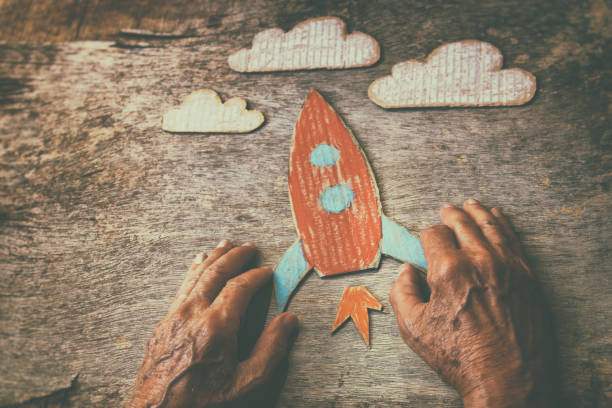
485	327
192	359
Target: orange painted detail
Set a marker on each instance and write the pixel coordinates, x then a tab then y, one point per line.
355	302
334	242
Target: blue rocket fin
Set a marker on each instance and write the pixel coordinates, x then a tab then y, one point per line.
291	269
397	242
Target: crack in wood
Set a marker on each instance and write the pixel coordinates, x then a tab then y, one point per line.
81	19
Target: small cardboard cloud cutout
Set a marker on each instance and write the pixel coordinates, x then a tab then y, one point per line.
204	112
465	73
312	44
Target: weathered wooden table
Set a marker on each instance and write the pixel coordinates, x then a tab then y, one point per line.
101	211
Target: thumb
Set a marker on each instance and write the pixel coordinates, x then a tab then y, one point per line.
269	351
406	296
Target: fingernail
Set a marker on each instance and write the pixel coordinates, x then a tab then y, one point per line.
495	211
448	205
199	259
223	243
471	201
248	244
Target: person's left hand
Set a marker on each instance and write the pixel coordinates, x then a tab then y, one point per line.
192	358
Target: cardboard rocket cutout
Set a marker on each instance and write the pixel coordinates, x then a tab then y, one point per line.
355	302
336	207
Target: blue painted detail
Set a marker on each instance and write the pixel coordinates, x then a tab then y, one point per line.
338	198
400	244
324	155
288	273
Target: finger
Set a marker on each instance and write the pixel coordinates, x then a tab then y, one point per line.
215	276
513	239
466	231
190	278
235	297
490	228
406	297
199	264
271	348
252	322
438	243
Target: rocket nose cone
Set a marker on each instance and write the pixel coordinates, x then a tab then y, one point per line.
314	102
312	94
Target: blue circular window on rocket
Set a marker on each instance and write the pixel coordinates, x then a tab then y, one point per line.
338	198
324	155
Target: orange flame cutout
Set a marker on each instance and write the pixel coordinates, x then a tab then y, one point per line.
355	302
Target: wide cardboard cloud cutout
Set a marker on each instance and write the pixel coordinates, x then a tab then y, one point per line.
312	44
203	111
465	73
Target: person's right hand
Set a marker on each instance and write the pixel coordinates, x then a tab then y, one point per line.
485	328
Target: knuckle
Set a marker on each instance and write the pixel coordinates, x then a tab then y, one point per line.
488	224
185	310
485	259
221	319
213	323
215	270
238	284
447	267
457	216
491	227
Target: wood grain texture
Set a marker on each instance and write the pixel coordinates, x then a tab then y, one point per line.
101	211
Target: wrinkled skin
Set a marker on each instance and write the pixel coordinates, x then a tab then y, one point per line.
479	320
485	327
192	358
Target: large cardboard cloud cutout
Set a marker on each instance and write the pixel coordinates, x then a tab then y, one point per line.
313	44
203	111
465	73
